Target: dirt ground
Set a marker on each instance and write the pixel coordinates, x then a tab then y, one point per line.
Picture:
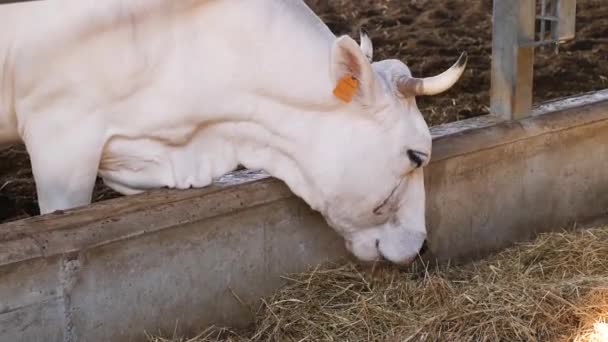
428	35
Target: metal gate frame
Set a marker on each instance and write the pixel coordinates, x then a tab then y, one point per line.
517	30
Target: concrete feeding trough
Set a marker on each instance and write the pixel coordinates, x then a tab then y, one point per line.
118	268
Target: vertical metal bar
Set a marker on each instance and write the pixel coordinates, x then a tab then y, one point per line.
512	58
543	12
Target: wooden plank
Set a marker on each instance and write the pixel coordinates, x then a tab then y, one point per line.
566	25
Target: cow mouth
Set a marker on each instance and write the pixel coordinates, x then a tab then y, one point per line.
421	254
381	256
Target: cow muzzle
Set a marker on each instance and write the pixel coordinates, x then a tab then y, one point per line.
408	261
401	252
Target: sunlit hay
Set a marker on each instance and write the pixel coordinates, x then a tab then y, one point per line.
598	333
593	312
554	288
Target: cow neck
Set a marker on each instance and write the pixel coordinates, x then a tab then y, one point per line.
283	102
278	139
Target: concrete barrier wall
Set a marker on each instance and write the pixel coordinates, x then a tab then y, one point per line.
507	182
188	259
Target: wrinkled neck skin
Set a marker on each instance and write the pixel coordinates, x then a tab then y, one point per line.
276	119
280	139
272	144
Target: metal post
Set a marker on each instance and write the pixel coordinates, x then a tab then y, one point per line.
512	58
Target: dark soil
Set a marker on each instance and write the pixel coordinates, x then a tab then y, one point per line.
428	35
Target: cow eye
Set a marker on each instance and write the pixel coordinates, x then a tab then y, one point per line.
416	157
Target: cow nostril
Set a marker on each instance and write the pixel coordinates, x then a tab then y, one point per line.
349	245
381	256
424	248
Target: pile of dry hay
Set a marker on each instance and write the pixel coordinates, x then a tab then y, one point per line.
552	289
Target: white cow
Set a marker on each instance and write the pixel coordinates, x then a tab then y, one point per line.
167	93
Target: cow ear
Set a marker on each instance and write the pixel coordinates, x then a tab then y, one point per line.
352	72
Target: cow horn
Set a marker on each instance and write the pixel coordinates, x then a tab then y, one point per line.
412	86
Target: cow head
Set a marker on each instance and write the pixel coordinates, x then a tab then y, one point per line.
373	149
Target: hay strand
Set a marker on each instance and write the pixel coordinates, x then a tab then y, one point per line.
554	288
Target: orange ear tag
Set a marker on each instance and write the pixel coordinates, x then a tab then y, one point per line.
346	88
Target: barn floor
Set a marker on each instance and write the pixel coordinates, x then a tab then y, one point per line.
428	35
